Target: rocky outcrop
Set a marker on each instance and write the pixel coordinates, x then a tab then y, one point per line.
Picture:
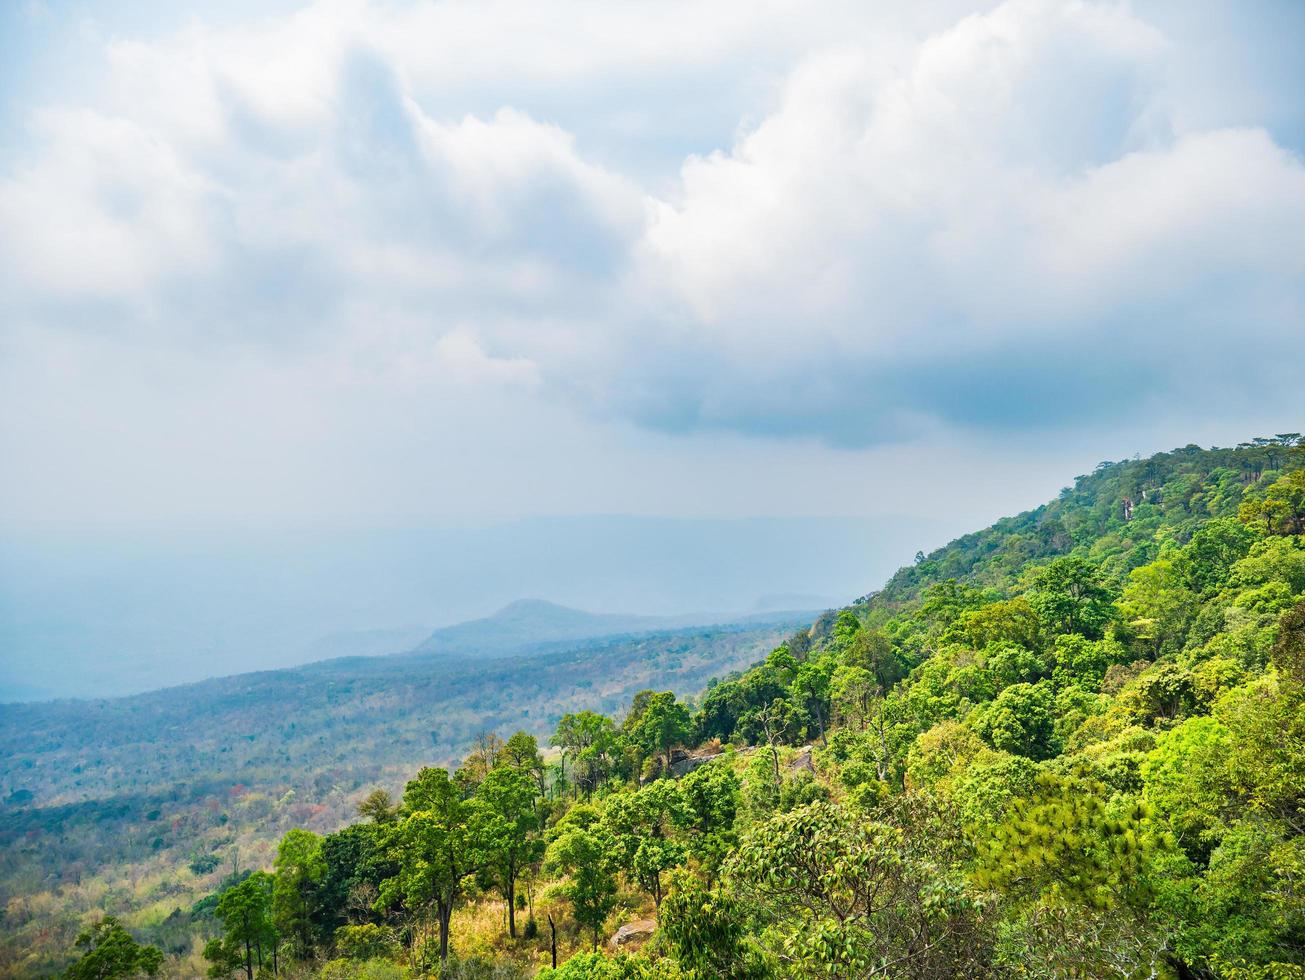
802	760
634	934
685	764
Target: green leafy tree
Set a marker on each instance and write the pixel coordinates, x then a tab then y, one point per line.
506	825
810	692
707	932
1282	508
1071	595
710	798
661	725
1020	721
945	601
1164	691
111	952
853	690
435	848
1159	606
588	741
842	896
356	865
1288	652
643	826
378	807
1207	560
584	852
1010	621
1063	845
299	869
773	725
368	941
249	934
522	752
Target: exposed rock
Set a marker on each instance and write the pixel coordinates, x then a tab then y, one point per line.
634	934
687	763
802	760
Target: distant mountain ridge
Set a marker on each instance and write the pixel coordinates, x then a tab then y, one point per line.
528	624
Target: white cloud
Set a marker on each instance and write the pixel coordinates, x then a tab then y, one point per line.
1016	183
882	221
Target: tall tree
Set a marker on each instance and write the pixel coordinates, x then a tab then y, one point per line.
773	724
434	848
377	807
506	824
583	851
299	869
710	796
642	826
249	932
587	740
837	895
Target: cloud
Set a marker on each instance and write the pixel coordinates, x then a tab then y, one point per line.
851	226
1014	206
460	354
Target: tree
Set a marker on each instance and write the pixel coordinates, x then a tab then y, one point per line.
434	848
852	689
506	825
710	798
356	864
706	931
842	896
522	752
248	930
582	850
661	725
486	750
365	942
1282	508
1011	621
1070	595
946	600
810	690
111	952
299	869
1288	652
873	650
773	725
587	739
378	807
1020	721
642	825
1062	845
1212	552
1158	606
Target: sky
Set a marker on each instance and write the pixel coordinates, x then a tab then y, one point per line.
353	264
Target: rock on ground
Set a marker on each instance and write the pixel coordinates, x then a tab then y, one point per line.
634	934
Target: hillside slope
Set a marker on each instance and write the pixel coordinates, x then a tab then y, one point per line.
129	797
1111	515
1069	745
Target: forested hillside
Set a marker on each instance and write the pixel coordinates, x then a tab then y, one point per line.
1070	745
140	805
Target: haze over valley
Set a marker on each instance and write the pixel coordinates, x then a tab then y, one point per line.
103	615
